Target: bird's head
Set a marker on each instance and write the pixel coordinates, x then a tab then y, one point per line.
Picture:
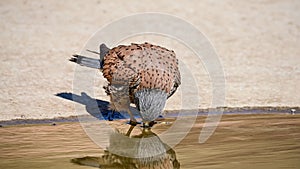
150	103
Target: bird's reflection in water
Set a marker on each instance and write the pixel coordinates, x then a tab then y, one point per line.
142	151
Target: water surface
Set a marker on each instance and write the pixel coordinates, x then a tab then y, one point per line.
240	141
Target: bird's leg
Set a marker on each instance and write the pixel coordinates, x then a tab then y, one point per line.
130	130
110	115
132	121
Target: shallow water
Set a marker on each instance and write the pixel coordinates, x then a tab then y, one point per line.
248	141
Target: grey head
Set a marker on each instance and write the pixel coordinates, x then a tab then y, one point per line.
150	103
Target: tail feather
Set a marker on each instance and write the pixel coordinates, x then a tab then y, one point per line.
85	61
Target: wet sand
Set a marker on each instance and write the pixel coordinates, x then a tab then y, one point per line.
258	141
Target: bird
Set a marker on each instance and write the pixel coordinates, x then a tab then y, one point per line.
143	74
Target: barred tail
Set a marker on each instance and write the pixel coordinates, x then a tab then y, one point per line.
85	61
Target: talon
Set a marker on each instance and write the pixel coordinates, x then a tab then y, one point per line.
149	124
133	123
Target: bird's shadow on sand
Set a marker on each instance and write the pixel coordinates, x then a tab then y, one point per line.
97	108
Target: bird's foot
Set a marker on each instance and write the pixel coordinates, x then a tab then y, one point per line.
148	124
133	123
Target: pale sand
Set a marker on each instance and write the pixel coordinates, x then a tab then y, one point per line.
257	42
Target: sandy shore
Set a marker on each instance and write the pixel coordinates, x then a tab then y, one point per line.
257	42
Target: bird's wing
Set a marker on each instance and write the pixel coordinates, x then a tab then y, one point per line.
150	65
161	68
121	62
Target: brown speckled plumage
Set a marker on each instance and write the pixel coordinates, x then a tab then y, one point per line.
143	74
142	66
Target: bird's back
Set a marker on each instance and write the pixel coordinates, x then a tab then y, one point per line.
142	66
